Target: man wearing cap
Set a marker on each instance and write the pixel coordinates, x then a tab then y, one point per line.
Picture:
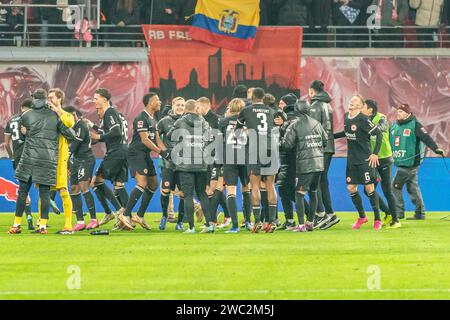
408	140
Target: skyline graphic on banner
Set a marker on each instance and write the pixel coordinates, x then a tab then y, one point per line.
220	88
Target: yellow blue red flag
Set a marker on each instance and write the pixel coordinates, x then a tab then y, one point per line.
229	24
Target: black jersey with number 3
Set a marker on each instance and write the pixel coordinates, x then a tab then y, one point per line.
358	130
257	117
13	130
144	122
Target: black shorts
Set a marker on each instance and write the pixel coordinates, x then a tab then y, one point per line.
81	170
113	169
262	170
170	179
361	174
141	163
232	172
214	172
308	181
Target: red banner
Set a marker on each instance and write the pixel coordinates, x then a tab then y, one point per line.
184	67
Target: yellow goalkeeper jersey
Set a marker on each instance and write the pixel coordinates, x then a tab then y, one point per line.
62	172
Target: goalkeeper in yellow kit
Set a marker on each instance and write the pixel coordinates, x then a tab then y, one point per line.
55	100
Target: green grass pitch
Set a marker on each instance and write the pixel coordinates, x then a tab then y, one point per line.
408	263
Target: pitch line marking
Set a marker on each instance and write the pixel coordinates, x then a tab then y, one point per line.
225	292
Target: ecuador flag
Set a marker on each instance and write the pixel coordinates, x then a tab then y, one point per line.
229	24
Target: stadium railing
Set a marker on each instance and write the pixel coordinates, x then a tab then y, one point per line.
104	35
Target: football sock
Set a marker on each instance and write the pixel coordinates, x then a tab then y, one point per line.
122	195
223	204
28	211
101	197
77	206
43	223
135	195
272	213
357	202
247	206
300	207
232	206
214	204
257	214
146	198
89	199
165	197
67	208
264	205
17	221
109	195
374	202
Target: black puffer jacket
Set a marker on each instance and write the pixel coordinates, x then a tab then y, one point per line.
293	12
309	138
191	134
321	111
40	154
164	126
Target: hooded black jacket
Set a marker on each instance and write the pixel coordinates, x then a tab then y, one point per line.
190	134
321	111
40	153
307	136
287	157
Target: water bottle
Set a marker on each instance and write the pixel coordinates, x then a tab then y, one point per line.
100	232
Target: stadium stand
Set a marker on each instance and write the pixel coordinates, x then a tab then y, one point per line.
327	23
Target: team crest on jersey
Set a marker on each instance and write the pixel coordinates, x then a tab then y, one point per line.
145	171
228	22
166	184
407	132
349	179
140	124
354	127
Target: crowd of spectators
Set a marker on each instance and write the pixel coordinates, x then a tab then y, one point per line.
341	23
